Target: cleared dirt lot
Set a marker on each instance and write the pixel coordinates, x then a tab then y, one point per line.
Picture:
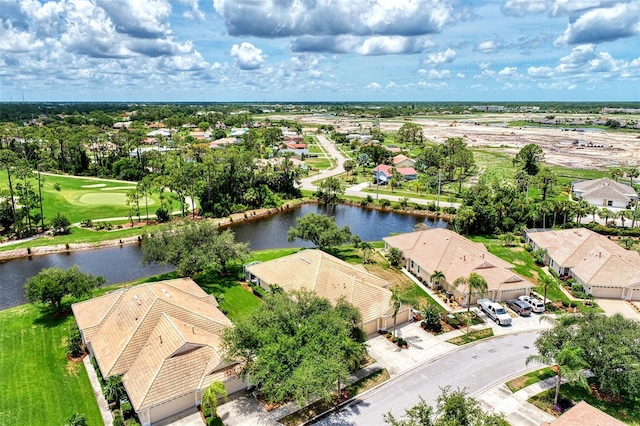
573	148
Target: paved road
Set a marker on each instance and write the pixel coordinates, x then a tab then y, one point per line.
332	151
475	367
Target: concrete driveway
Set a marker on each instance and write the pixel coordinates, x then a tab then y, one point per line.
617	306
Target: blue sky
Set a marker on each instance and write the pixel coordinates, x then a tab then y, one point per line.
319	50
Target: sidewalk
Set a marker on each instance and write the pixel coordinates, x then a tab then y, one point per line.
514	406
246	410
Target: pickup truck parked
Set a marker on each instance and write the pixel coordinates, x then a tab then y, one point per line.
536	305
495	311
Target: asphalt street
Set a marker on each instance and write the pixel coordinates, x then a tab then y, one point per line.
475	368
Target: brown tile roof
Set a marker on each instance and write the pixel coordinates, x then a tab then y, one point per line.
592	257
175	360
583	414
126	324
444	250
328	277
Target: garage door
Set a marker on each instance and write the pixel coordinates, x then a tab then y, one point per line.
607	292
509	294
172	407
235	384
635	294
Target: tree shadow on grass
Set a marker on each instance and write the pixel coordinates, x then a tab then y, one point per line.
346	253
51	317
213	282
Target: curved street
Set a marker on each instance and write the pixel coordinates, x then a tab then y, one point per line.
332	152
476	367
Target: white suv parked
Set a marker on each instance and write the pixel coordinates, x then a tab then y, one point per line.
536	305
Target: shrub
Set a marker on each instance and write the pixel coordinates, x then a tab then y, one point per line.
395	206
452	321
117	420
577	288
60	224
432	207
384	202
162	215
449	210
86	223
394	339
56	186
389	334
76	349
127	410
431	321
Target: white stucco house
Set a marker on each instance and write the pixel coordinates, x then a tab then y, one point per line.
604	192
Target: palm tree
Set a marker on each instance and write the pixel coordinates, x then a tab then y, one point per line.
547	281
211	396
475	284
508	239
366	248
583	208
570	363
436	278
632	172
398	298
605	214
113	389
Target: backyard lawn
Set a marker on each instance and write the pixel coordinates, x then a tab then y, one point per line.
39	385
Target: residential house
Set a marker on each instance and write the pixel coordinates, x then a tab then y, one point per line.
384	173
605	192
164	338
583	414
331	278
402	160
425	252
601	266
408	173
297	149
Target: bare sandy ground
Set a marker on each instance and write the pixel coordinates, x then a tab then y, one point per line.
570	148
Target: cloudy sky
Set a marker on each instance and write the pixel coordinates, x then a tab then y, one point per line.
319	50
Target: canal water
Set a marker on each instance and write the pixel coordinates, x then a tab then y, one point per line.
118	264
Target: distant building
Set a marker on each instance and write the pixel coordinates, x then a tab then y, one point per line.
488	108
604	192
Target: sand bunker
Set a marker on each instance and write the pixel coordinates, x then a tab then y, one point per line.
97	185
113	188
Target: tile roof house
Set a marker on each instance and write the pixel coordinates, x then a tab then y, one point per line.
604	192
164	338
583	414
402	160
384	172
331	278
601	266
425	252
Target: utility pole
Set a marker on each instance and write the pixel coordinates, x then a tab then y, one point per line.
439	183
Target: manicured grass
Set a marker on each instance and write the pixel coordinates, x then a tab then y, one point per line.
82	235
39	385
471	337
528	379
625	411
86	198
518	256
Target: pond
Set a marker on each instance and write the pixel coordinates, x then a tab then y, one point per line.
368	224
119	264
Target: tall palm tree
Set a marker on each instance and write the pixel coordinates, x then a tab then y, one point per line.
475	284
436	278
211	396
398	298
547	281
570	363
605	214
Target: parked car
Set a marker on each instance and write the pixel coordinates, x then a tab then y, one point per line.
519	307
495	311
536	305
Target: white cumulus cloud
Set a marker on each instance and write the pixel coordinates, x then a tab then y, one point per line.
439	58
247	56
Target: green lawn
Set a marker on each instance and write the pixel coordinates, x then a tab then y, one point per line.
86	198
625	411
528	379
39	385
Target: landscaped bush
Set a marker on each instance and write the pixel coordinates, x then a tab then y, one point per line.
117	420
86	223
452	320
127	410
450	210
76	349
384	202
162	215
431	321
